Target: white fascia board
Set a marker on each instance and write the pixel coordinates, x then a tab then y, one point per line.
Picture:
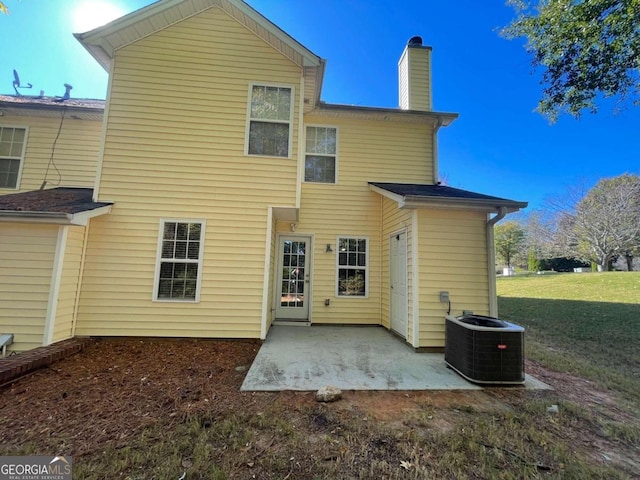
83	218
386	193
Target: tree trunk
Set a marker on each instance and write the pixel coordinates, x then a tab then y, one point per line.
629	259
604	264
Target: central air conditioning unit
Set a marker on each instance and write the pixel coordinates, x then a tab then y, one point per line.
485	349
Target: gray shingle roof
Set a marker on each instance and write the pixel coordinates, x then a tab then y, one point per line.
34	101
55	200
442	193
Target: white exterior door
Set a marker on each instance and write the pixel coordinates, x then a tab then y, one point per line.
293	278
398	283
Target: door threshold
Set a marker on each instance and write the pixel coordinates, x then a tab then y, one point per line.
292	323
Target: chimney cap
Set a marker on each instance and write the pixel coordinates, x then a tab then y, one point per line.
415	41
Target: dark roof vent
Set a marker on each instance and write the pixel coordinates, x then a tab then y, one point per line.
415	41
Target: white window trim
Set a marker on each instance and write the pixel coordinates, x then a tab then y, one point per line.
248	118
22	155
156	277
335	180
366	268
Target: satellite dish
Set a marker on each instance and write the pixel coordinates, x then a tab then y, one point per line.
16	83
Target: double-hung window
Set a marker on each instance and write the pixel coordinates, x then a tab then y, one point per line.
179	263
270	118
352	258
12	147
320	158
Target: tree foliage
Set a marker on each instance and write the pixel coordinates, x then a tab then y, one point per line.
586	47
595	225
509	241
607	220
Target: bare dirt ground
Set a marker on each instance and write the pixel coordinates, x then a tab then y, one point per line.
114	389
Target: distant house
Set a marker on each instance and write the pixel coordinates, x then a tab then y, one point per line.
216	194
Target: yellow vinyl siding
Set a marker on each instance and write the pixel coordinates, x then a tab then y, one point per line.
26	255
175	149
395	220
453	257
415	79
69	283
75	156
367	151
419	79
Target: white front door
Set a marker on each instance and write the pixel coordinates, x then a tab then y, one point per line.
293	281
398	283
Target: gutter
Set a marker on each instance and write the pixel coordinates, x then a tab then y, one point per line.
443	118
502	212
414	201
434	150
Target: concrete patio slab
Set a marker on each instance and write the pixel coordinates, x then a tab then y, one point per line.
350	358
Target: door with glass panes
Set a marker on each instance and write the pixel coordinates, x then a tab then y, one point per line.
294	274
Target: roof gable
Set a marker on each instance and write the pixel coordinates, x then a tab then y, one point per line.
103	42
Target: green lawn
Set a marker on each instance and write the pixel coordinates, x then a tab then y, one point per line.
587	324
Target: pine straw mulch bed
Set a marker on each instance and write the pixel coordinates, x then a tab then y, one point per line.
115	387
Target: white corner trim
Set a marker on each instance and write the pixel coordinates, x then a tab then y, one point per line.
415	264
266	275
54	286
302	138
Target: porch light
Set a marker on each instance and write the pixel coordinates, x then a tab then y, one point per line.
328	249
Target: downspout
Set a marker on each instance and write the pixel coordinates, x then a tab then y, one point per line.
381	260
491	261
434	148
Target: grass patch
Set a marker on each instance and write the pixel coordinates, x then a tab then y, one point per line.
585	324
322	443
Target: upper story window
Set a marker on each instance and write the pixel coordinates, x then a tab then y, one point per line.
270	119
12	147
320	158
179	262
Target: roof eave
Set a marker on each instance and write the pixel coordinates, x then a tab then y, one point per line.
437	118
488	205
53	218
47	107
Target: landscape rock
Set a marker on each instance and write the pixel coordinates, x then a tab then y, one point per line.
328	393
552	409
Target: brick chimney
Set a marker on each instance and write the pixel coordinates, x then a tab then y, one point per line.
414	76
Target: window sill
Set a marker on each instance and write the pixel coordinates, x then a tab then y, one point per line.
175	300
255	155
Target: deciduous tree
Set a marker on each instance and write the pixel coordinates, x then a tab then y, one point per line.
587	48
509	240
606	222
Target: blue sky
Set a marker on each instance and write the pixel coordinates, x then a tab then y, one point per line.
498	146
